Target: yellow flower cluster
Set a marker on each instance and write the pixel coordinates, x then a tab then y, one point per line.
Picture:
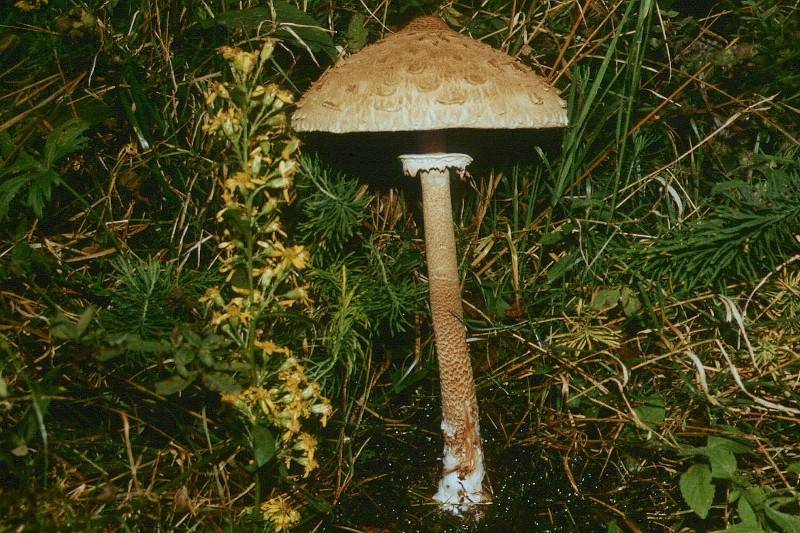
265	166
280	513
30	5
262	271
291	399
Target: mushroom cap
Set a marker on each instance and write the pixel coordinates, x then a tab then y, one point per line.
428	77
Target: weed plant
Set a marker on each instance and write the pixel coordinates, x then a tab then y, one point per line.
183	282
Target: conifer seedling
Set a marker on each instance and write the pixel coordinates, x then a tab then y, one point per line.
429	79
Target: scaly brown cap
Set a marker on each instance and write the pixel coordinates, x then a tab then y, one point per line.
428	77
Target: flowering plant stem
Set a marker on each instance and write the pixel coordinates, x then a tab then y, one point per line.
262	273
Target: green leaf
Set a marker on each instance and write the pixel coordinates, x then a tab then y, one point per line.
631	305
564	265
744	528
65	138
734	446
746	513
107	353
299	27
786	522
755	496
173	385
220	382
263	445
612	527
8	190
40	189
552	237
320	505
697	489
62	328
723	462
604	299
185	355
794	468
652	410
357	33
84	320
205	357
137	344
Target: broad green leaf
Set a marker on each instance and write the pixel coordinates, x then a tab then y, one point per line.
697	489
317	503
220	382
192	337
744	528
786	522
40	189
755	496
205	357
652	410
604	299
612	527
631	305
298	27
185	355
357	34
62	328
263	445
138	344
84	320
172	385
734	446
746	513
553	237
723	462
794	468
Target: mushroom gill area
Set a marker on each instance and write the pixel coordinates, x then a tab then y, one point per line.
372	157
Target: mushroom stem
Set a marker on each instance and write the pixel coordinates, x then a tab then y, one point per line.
460	486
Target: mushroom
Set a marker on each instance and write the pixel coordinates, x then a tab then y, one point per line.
428	78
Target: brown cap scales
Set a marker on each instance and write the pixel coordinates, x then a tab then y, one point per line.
428	77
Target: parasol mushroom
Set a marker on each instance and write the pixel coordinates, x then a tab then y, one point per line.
428	78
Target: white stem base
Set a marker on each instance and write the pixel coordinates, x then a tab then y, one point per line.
457	494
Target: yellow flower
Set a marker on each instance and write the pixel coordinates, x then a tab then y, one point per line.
245	180
218	90
307	445
242	61
227	119
299	294
287	168
291	147
211	297
270	348
33	5
323	409
297	256
232	399
266	50
233	313
280	512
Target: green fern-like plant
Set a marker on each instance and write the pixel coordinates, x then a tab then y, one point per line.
149	297
334	206
750	231
33	173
